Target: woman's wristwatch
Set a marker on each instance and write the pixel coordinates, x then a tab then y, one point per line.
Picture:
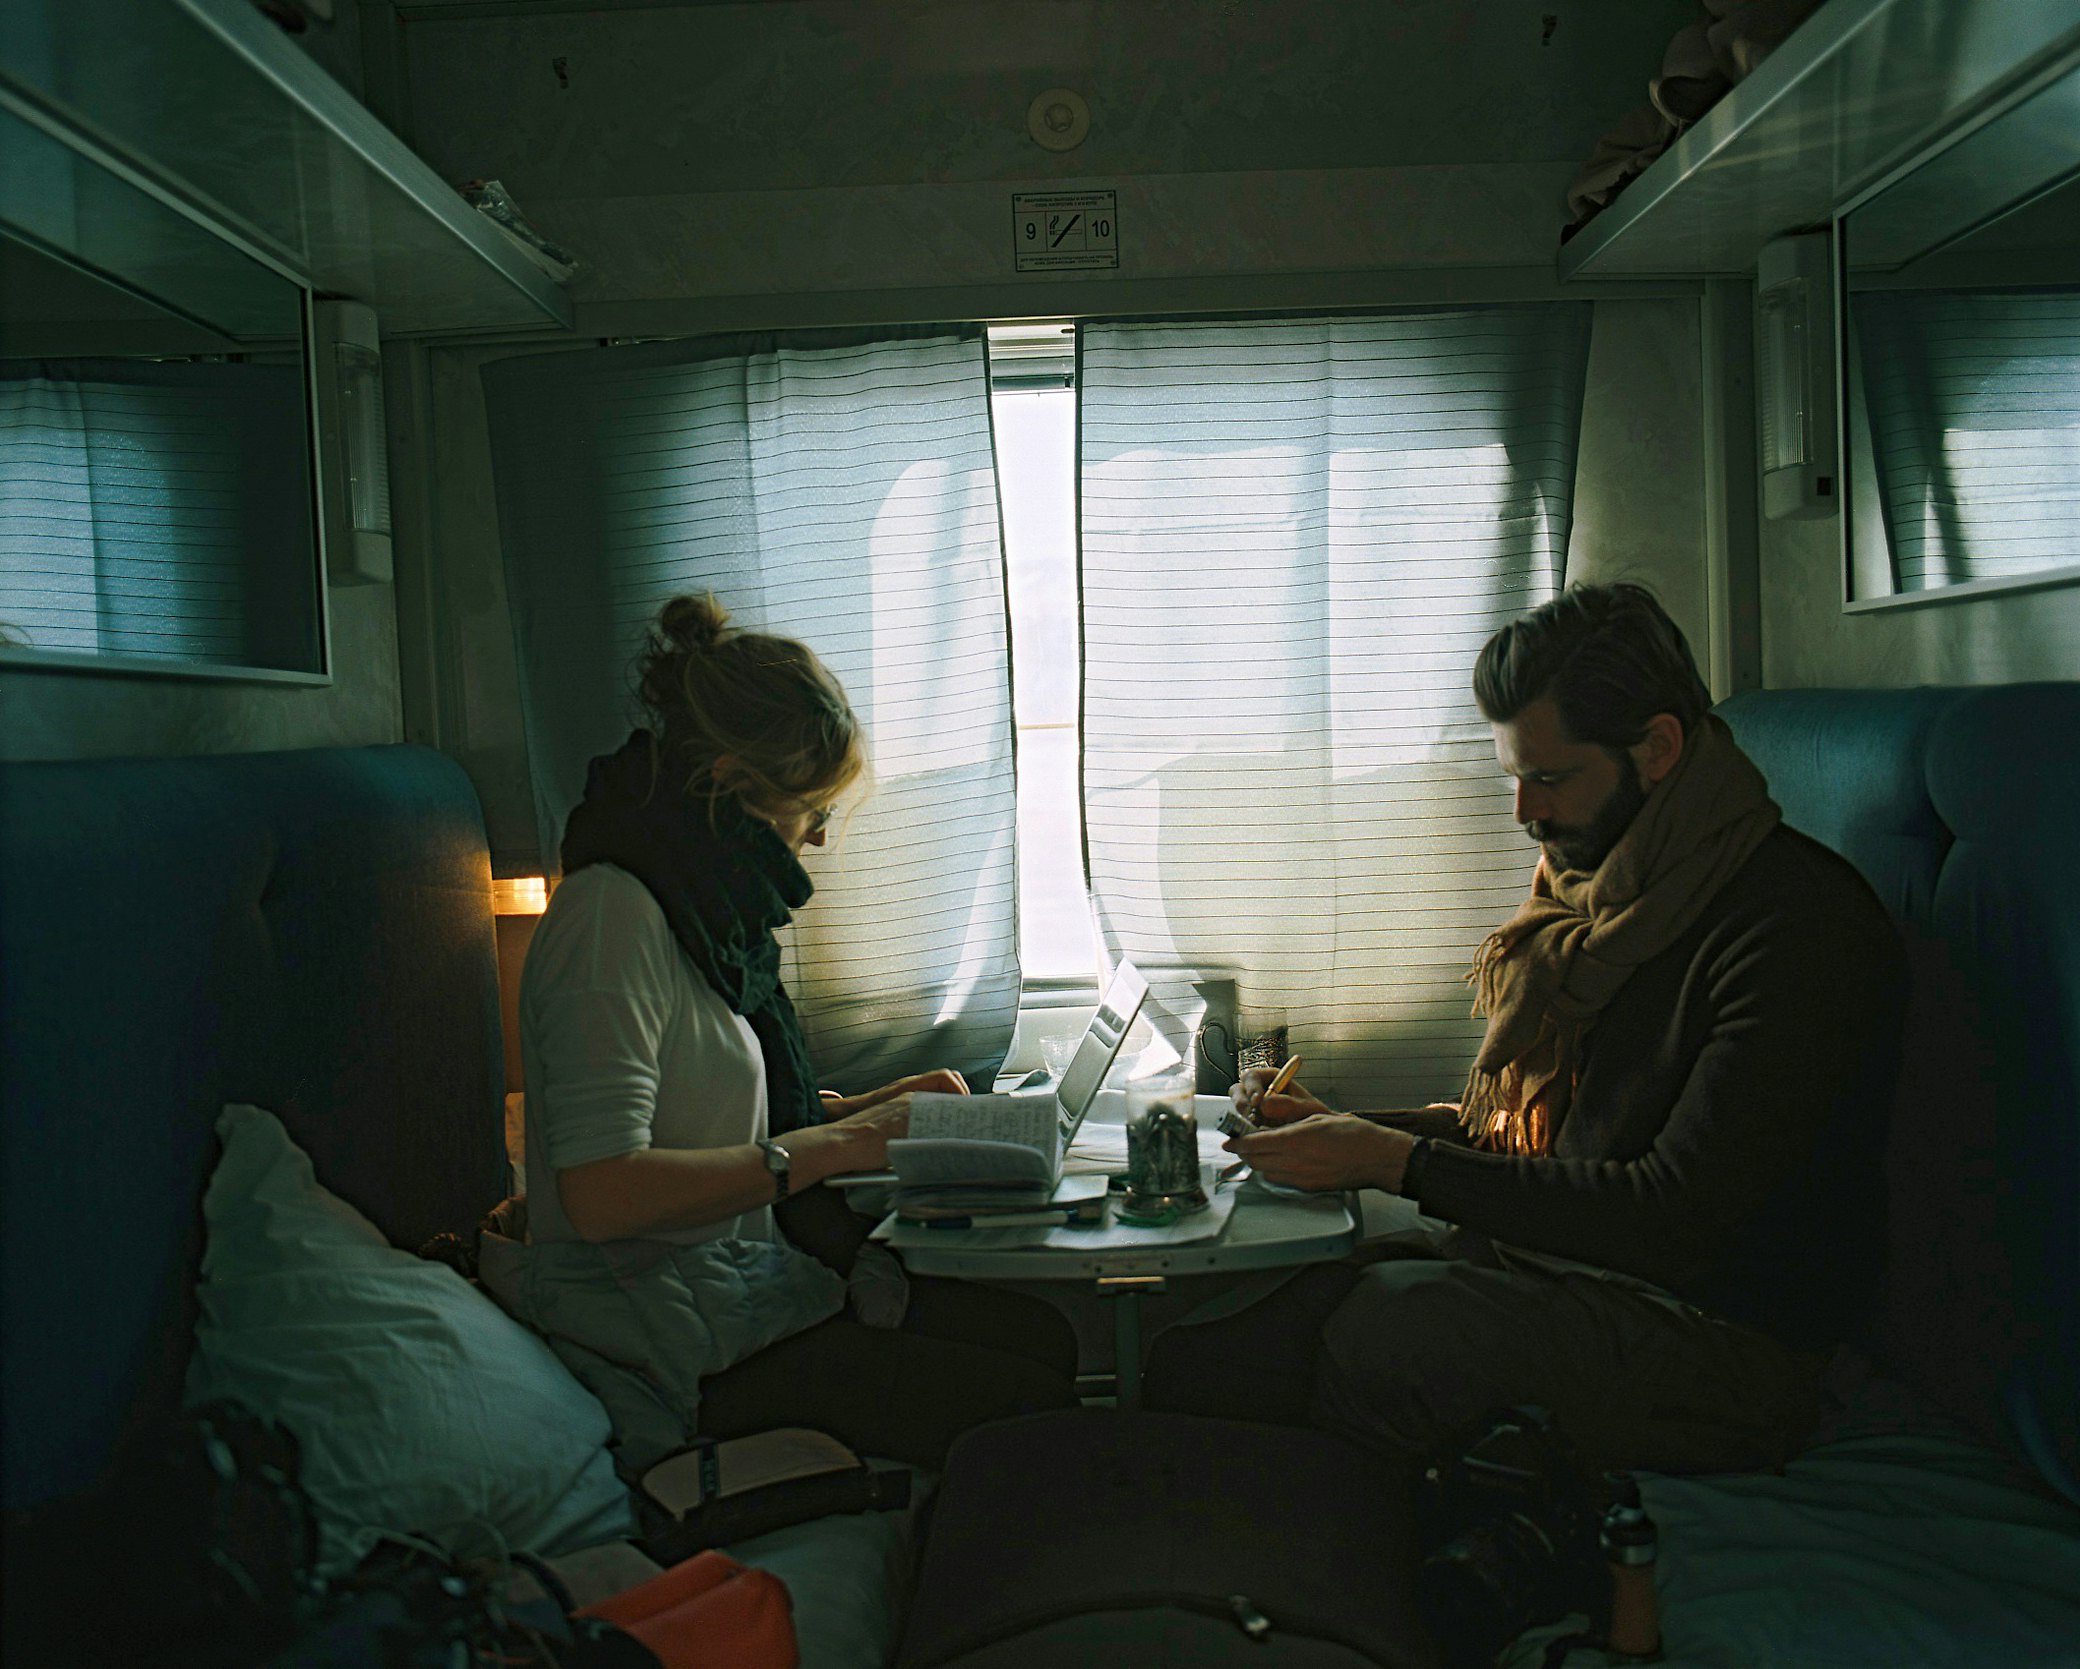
779	1163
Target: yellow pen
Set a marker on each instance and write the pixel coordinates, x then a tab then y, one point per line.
1277	1086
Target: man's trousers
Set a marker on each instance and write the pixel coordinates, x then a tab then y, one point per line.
1410	1344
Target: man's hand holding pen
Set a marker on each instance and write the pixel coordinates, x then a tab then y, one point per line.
1302	1144
1274	1097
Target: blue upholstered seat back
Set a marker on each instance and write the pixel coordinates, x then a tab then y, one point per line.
1847	767
310	931
1960	807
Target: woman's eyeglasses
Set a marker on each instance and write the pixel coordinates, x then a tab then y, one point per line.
819	820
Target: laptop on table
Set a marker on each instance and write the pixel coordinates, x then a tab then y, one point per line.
943	1128
1124	995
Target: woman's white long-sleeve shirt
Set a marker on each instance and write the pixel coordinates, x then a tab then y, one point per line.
625	1046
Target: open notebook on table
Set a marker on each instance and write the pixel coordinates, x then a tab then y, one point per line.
1002	1152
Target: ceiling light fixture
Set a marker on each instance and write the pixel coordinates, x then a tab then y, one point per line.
1058	119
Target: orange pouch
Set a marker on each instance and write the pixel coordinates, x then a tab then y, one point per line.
707	1611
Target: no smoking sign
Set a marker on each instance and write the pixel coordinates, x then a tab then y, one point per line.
1057	231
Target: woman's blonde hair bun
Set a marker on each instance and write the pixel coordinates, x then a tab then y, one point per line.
763	703
693	623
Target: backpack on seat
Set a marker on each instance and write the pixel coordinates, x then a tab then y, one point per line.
1102	1538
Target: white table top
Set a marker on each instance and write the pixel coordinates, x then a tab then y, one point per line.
1266	1231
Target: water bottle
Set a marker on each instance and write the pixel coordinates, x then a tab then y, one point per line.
1630	1543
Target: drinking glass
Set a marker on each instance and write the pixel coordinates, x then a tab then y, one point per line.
1260	1038
1163	1143
1056	1053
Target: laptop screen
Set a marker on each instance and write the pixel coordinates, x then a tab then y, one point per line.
1101	1041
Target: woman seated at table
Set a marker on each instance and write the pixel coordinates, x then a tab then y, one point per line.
670	1105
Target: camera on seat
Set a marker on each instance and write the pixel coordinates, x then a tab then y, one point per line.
1513	1525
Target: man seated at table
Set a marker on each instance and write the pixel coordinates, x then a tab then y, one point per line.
1664	1177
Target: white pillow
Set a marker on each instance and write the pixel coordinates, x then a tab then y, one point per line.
420	1406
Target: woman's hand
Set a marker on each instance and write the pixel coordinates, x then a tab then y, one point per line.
858	1141
944	1081
857	1129
1288	1107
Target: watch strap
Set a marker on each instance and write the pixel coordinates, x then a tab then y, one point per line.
781	1163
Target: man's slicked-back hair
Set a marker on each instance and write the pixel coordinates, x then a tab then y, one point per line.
1608	655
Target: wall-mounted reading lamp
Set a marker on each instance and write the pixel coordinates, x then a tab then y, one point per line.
355	457
516	903
523	895
1795	375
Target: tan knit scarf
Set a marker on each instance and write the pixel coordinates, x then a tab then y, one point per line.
1545	975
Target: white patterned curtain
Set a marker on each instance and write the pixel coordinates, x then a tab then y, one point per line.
1296	535
841	490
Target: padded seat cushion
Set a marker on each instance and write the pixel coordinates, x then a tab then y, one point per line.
1960	807
2004	774
1847	768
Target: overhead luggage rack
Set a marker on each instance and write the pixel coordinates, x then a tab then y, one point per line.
1858	90
208	106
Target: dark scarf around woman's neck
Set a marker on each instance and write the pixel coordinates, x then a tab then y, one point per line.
725	881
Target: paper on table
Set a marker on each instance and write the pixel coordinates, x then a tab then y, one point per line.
1103	1147
1113	1234
1109	1236
962	1199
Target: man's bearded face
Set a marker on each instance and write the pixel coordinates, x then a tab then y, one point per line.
1585	845
1576	799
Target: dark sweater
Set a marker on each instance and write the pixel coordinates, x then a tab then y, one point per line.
1727	1136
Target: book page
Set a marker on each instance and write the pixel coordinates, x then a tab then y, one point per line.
1029	1119
1003	1139
984	1199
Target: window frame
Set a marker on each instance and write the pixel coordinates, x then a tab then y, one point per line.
1035	371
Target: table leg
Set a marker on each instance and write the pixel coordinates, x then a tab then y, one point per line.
1126	1291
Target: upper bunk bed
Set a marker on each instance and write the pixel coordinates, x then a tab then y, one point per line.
212	110
1856	94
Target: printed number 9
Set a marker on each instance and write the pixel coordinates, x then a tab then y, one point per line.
1032	229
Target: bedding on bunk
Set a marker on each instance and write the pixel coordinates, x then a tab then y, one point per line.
1910	1546
1722	45
419	1405
845	1573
